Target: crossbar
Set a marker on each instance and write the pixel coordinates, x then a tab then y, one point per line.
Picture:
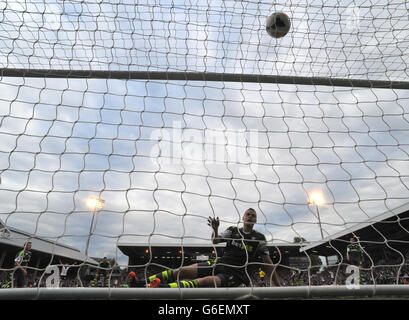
202	76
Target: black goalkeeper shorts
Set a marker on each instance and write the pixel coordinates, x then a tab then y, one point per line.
20	279
229	275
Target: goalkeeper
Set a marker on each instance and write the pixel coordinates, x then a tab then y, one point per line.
244	245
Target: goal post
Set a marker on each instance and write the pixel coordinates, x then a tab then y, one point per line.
305	292
125	125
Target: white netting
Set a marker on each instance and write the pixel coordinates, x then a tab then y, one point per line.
336	38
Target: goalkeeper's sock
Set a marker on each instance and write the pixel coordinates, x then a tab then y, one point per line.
184	284
165	277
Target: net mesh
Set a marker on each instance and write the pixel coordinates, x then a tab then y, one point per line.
337	39
164	155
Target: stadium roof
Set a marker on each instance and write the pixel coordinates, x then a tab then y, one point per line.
139	248
169	248
391	226
10	236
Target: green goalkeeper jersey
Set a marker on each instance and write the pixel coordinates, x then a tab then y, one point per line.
242	247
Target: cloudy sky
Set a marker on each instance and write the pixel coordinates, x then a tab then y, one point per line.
165	155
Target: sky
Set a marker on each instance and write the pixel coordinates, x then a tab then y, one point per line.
166	155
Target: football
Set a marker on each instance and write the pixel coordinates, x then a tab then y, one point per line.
278	25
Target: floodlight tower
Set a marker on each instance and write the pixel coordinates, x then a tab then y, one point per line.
95	204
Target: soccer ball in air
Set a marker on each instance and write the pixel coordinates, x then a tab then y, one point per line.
278	24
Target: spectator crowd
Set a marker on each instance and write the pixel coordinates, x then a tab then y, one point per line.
332	275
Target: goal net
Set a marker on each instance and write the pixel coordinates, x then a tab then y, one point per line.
125	125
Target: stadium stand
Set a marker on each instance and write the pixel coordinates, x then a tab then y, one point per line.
44	253
384	239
